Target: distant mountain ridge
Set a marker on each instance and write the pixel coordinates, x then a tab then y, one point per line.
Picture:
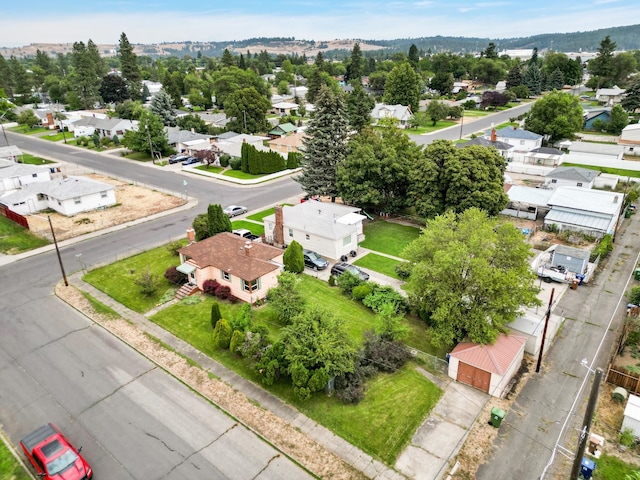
625	37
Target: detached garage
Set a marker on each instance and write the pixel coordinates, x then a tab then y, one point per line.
489	368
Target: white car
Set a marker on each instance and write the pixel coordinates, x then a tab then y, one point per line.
234	210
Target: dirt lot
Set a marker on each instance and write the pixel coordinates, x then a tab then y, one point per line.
133	202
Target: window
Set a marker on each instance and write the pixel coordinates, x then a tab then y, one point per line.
42	196
579	184
271	226
554	180
77	200
307	236
34	175
225	275
251	286
291	232
521	142
103	194
346	241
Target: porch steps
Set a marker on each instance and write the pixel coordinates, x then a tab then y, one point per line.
186	290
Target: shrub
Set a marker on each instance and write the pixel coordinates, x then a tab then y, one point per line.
224	160
105	141
350	387
173	248
147	282
361	291
348	281
386	355
293	258
222	334
386	295
223	292
403	270
174	276
626	438
242	321
634	296
272	365
235	163
332	281
604	248
237	339
215	314
210	286
233	299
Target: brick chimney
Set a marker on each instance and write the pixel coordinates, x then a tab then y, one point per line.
248	249
191	235
50	122
278	232
494	136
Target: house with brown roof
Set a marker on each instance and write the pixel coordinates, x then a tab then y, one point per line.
249	269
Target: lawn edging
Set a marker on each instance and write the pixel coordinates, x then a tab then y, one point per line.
254	181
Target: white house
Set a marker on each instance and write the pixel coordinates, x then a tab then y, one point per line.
67	196
522	140
630	139
571	177
186	140
595	212
331	229
398	112
17	175
527	202
10	152
610	96
284	108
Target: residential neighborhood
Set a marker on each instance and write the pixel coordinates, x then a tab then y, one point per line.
330	237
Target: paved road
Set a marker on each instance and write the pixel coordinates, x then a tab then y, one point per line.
134	420
550	408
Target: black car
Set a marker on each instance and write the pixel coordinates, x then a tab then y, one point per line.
190	161
178	158
339	268
313	260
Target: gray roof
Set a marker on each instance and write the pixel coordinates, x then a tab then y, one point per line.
586	200
318	218
573	252
547	151
485	142
573	173
60	189
19	169
586	220
176	135
10	150
400	112
599	148
111	123
529	195
86	122
225	135
519	133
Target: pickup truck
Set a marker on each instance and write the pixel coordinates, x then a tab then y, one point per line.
53	456
244	233
552	274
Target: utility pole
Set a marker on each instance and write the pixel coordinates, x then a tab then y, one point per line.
2	124
461	123
544	330
153	157
588	416
55	242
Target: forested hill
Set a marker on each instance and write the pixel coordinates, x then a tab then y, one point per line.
626	38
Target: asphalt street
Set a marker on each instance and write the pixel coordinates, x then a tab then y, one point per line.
133	420
541	427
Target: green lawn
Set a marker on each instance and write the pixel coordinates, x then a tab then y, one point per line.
10	468
239	174
379	263
28	130
255	228
258	217
614	171
55	137
33	160
611	468
429	127
15	238
118	279
387	237
139	156
211	169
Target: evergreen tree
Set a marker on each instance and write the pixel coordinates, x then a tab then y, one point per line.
514	77
162	106
325	145
96	59
85	81
533	80
129	67
319	62
227	59
20	77
241	63
217	220
490	52
413	56
631	100
169	85
602	66
286	299
222	335
556	80
359	106
113	89
354	70
534	57
403	87
293	258
6	82
619	120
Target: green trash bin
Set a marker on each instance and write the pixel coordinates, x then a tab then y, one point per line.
627	213
636	274
497	415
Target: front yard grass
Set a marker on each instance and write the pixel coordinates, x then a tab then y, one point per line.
15	238
118	279
139	156
258	217
612	468
27	130
255	228
379	263
55	137
239	174
210	168
10	468
33	160
429	127
388	237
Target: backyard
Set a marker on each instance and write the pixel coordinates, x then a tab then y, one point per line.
190	320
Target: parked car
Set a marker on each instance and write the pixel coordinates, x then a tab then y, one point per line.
314	260
190	161
234	210
244	233
178	158
339	268
53	456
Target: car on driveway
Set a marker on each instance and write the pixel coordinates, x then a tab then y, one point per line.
178	159
339	268
234	210
314	260
190	161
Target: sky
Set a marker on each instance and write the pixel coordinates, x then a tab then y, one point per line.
155	21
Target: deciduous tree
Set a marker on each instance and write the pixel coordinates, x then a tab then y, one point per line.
449	178
286	299
437	110
470	276
558	115
247	109
403	86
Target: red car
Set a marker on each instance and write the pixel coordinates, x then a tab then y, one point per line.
53	456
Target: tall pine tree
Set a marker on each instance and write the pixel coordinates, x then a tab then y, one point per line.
129	67
85	80
325	145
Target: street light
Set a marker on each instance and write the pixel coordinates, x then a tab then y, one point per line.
153	157
461	123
